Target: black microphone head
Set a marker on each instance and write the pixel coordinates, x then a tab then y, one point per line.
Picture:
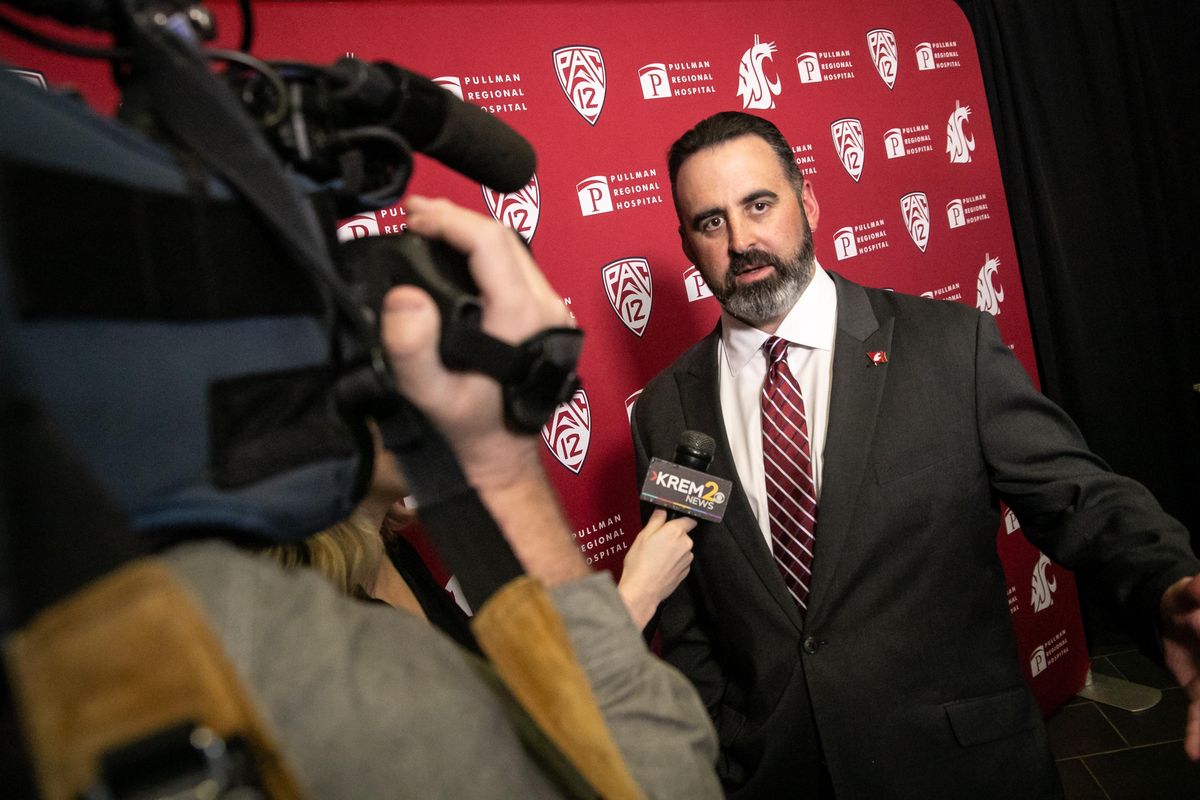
482	147
695	450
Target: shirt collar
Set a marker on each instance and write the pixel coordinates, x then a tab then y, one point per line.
811	323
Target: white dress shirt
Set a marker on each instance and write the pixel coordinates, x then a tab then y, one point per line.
742	368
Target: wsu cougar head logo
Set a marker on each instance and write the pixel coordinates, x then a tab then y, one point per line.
958	144
630	291
754	87
1043	587
580	72
988	295
569	431
519	210
915	208
882	45
848	139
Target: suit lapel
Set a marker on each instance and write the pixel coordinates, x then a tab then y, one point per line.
853	410
700	399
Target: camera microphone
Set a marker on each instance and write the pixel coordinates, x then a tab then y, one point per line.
682	487
433	121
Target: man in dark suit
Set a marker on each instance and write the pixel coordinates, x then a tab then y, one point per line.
884	663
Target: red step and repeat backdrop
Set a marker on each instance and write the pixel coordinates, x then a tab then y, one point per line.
882	102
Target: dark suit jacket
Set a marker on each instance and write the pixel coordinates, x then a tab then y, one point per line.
905	668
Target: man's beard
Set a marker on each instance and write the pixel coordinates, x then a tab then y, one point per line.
770	298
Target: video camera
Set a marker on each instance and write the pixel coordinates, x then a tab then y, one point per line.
298	146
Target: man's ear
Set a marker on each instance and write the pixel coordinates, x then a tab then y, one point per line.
812	209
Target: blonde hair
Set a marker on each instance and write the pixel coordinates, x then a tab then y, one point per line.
347	554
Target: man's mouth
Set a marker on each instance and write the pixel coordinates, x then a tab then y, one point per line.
752	272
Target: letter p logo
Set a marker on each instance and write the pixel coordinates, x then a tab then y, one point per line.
594	195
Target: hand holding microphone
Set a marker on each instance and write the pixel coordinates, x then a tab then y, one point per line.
661	556
656	563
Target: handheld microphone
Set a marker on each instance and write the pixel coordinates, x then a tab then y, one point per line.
682	487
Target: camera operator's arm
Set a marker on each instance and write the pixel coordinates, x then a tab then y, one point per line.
654	716
502	466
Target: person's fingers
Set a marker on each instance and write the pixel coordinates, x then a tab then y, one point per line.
684	524
410	326
502	267
657	518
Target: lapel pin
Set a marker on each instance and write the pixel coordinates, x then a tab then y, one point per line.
878	357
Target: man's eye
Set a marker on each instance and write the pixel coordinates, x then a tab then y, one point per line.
760	206
711	224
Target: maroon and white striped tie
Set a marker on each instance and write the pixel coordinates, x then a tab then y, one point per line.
787	463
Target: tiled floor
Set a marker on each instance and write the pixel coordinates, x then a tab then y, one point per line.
1105	753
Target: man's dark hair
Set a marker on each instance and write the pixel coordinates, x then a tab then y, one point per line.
727	125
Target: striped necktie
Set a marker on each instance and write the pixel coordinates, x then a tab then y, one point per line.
787	464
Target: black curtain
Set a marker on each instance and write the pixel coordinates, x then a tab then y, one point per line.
1094	109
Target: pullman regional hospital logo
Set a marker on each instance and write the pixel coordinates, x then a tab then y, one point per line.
881	43
754	87
569	431
914	207
848	139
664	79
451	84
580	72
630	402
518	210
630	290
358	227
989	294
694	284
618	191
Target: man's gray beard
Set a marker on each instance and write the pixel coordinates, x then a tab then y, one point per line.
770	298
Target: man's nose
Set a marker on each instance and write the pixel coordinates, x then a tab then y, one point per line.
741	236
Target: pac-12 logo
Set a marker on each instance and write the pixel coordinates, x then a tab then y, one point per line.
630	291
958	144
358	227
580	71
518	210
848	139
569	431
754	87
1043	587
988	293
914	207
882	45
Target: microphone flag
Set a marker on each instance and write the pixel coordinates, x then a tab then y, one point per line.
687	491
